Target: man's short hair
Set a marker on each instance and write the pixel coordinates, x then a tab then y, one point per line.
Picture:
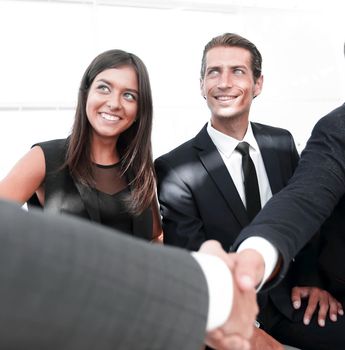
234	40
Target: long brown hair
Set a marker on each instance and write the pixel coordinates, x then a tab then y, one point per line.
133	145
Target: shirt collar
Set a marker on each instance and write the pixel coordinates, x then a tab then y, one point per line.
227	144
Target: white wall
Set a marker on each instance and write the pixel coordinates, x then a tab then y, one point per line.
46	46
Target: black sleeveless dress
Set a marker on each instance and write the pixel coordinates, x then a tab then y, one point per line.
104	204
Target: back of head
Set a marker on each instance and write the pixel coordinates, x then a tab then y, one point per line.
233	40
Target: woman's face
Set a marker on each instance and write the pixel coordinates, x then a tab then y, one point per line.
112	102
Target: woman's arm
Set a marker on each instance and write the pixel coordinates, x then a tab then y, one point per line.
25	178
157	234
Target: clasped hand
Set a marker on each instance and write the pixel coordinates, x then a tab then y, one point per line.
236	332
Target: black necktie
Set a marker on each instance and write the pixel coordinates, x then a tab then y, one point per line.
251	186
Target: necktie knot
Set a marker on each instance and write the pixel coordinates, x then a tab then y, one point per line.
243	148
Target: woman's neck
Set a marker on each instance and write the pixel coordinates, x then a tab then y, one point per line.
104	152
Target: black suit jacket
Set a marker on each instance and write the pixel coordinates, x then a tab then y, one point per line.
65	195
199	200
315	193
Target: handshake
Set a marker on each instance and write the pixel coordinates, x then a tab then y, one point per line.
247	269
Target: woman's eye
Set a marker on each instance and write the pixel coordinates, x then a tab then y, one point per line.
129	96
103	88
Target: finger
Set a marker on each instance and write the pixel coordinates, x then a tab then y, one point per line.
214	337
310	309
296	294
213	247
334	308
324	306
231	260
249	269
218	340
340	309
234	342
210	247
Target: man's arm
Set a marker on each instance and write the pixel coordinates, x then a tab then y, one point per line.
66	283
71	284
293	215
182	225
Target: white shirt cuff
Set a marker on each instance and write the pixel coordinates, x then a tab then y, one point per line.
220	288
267	250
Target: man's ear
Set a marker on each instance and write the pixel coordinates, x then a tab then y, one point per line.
258	85
202	91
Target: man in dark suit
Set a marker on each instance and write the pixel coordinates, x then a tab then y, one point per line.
69	284
315	195
200	184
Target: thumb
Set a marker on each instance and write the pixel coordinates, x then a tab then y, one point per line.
249	269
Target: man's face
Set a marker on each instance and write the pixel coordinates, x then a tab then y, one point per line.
228	84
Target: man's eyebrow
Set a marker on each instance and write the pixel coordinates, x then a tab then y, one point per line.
230	66
239	66
212	67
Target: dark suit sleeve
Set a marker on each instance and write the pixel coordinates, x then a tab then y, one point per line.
292	216
69	284
294	154
304	271
182	225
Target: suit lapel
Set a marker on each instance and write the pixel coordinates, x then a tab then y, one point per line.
215	167
270	157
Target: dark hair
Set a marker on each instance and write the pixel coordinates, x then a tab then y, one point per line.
234	40
133	145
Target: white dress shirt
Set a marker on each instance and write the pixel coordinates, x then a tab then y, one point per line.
233	161
220	288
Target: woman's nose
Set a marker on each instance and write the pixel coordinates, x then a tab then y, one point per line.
114	102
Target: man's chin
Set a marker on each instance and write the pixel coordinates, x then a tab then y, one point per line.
228	115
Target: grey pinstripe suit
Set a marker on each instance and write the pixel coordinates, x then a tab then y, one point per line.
68	284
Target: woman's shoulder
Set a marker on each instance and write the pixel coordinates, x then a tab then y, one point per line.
52	144
54	150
